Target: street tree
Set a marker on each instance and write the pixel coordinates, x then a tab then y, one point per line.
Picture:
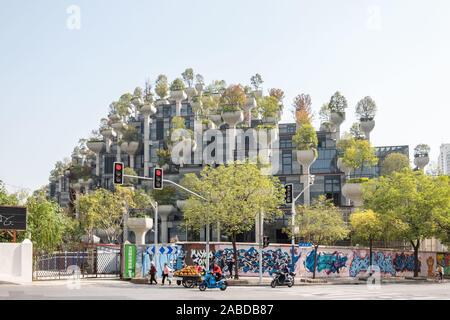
394	162
366	109
235	195
322	223
412	198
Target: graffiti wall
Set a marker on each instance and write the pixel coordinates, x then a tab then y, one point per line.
330	261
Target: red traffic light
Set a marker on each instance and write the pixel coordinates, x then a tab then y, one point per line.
118	166
158	172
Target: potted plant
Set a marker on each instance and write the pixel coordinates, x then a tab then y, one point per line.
200	84
188	77
129	143
196	105
336	108
421	158
256	82
177	93
95	143
269	108
161	89
306	141
366	110
358	154
231	103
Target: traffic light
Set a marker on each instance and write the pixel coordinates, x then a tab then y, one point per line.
265	241
158	179
118	172
288	193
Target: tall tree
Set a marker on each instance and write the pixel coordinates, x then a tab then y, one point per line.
413	199
366	109
359	155
235	195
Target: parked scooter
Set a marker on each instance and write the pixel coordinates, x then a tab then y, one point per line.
209	281
283	278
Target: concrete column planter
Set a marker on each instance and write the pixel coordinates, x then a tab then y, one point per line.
353	191
108	134
181	204
147	110
216	119
207	125
190	92
161	102
341	166
421	161
367	126
96	147
337	119
164	211
306	158
140	226
199	87
249	106
233	118
178	96
258	93
197	107
130	148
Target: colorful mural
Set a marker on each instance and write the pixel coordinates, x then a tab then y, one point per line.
331	262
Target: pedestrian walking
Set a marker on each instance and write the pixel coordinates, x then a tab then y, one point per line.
166	272
230	264
152	272
440	271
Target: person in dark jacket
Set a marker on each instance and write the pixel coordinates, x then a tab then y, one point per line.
230	264
152	272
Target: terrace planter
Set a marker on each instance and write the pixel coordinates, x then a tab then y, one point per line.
95	146
178	95
216	118
148	109
421	161
190	92
306	158
353	191
367	127
337	118
140	226
233	118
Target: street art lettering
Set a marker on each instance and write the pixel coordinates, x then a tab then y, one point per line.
361	264
330	262
404	262
443	259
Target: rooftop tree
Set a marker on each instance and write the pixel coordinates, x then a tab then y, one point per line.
188	76
366	109
161	86
256	81
359	155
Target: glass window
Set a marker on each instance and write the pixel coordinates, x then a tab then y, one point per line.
287	162
291	129
286	142
159	129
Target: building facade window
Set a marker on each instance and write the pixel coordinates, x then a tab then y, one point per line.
287	162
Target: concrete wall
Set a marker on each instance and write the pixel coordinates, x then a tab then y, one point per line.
16	261
331	261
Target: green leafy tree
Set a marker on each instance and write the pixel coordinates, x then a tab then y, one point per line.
421	150
177	85
360	155
413	199
161	86
166	196
320	224
256	81
47	224
306	138
324	113
188	76
235	194
367	227
338	103
356	132
366	109
269	107
394	162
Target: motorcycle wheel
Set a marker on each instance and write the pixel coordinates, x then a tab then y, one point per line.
224	286
202	287
290	283
273	284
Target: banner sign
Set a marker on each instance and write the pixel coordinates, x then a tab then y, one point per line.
13	218
130	261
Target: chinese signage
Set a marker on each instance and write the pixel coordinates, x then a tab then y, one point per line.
130	260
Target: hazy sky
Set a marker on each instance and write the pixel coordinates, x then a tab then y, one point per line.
56	82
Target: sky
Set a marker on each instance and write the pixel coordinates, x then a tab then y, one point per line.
58	73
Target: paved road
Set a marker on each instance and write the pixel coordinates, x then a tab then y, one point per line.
120	290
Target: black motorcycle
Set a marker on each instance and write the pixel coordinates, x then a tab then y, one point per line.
283	278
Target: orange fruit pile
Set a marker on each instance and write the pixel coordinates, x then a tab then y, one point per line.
186	271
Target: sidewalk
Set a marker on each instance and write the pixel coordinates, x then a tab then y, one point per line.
254	281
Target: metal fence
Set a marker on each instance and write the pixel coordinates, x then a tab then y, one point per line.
91	261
